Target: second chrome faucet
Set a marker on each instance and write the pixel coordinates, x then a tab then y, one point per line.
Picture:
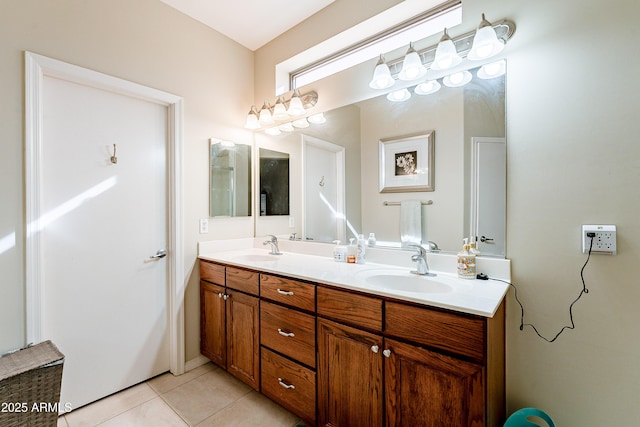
420	257
273	241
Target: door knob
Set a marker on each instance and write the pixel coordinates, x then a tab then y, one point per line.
485	239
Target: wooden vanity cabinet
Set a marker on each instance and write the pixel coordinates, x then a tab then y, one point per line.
345	358
229	322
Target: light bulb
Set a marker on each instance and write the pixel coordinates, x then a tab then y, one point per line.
485	42
381	76
279	111
446	54
295	105
252	119
265	117
412	67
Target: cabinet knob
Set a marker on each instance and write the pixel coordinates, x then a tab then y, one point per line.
285	385
219	294
226	297
387	353
281	292
285	333
375	348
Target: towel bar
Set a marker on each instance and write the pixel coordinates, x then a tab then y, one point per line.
424	202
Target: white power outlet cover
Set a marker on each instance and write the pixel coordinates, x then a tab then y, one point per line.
604	241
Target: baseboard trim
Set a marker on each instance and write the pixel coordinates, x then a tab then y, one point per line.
194	363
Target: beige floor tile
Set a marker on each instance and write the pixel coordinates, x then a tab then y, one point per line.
62	421
252	410
205	395
110	406
153	413
165	382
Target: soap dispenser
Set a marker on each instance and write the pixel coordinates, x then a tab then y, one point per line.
339	252
466	262
361	248
473	246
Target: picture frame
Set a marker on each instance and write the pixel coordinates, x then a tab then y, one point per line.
406	163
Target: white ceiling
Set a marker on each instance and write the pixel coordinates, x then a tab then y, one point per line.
251	23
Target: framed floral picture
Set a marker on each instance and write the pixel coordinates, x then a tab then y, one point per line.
406	163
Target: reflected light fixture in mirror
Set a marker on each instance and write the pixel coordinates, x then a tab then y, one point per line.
427	88
399	95
458	79
492	70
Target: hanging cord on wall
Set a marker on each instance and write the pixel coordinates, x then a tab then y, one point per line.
583	291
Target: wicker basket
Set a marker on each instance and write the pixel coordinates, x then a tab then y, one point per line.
30	386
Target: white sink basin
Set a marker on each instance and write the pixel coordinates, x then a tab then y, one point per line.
256	258
407	282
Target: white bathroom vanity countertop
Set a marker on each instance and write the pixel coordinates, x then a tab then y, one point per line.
446	290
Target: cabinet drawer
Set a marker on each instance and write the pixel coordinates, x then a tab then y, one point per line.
287	291
290	384
350	308
211	272
289	332
243	280
447	331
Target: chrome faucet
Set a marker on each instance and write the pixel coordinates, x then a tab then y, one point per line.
274	245
421	258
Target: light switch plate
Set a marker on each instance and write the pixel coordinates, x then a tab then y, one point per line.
204	225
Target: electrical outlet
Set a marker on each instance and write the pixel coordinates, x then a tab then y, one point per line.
604	241
204	225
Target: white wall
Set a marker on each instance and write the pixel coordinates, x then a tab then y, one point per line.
572	110
149	43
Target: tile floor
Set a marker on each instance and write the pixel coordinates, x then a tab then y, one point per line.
203	397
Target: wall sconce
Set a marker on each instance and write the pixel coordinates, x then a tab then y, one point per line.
297	106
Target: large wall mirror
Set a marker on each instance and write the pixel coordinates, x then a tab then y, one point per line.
469	128
229	179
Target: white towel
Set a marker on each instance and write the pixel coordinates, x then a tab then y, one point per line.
410	222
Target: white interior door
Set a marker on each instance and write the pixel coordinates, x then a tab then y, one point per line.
489	194
104	300
324	205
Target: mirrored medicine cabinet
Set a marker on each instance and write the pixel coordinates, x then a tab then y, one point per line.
229	179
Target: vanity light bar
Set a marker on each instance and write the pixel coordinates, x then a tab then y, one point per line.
504	31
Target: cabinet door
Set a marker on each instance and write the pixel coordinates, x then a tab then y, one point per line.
349	376
430	389
243	359
212	323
